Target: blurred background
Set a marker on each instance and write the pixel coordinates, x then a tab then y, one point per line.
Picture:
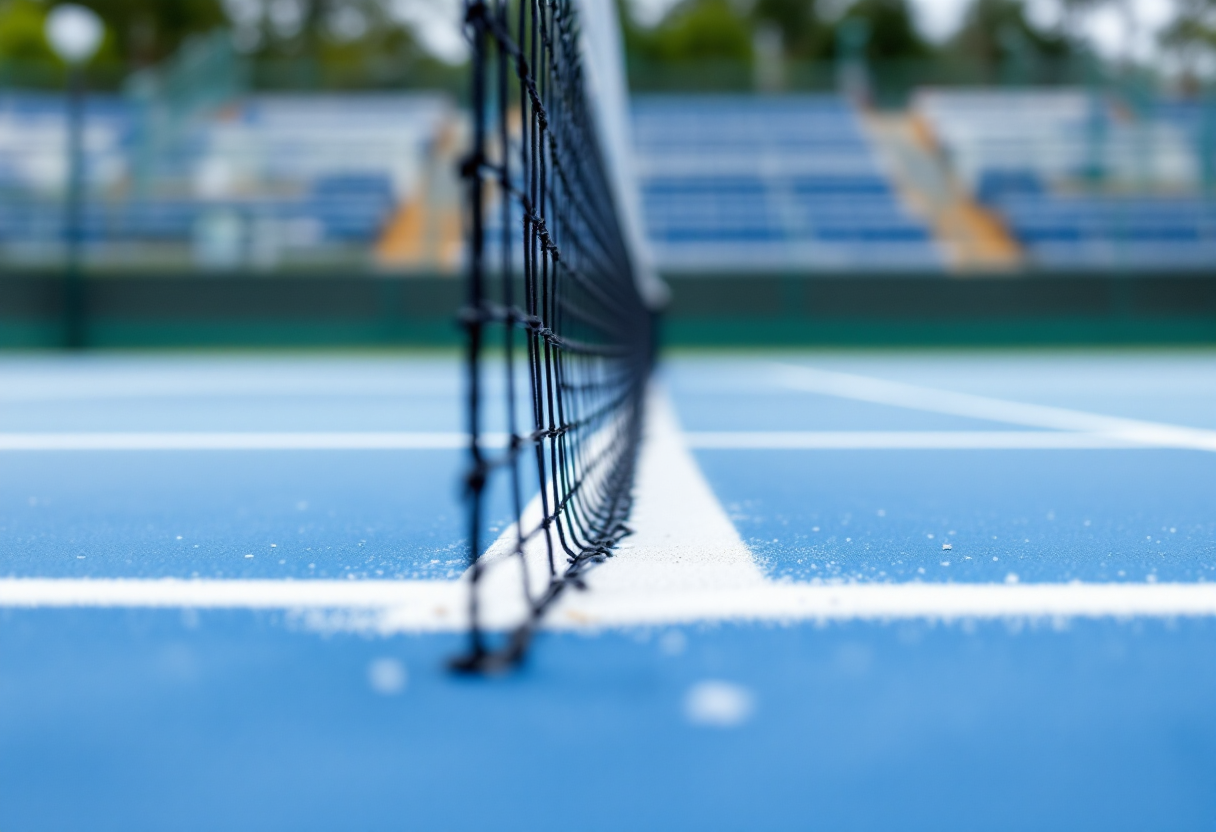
285	172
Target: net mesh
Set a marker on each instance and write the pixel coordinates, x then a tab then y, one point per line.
553	311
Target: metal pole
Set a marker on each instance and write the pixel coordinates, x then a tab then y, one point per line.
73	224
1207	139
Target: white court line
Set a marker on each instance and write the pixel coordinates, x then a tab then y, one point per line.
790	602
715	440
915	397
439	606
904	440
236	593
264	441
233	381
685	563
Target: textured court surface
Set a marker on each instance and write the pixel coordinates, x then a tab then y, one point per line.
246	719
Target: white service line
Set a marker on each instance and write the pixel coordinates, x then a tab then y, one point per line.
904	440
98	380
915	397
253	441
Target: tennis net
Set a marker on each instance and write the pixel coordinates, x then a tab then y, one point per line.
559	336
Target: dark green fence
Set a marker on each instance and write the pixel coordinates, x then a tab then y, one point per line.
234	310
338	310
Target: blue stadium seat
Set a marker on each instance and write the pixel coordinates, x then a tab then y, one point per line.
340	162
745	182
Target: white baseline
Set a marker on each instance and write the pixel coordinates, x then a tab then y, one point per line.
440	606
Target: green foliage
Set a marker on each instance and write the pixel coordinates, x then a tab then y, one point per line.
803	33
21	32
345	44
721	30
995	32
341	31
636	39
695	30
28	58
333	43
148	31
893	33
1191	36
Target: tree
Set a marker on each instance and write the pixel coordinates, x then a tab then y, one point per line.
148	31
23	41
145	32
695	30
893	33
21	32
995	32
803	33
1191	36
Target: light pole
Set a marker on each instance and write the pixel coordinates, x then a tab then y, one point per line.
75	33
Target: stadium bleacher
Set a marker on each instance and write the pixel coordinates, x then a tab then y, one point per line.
32	141
1079	181
730	184
303	172
733	183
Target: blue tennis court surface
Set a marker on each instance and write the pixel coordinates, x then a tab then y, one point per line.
841	469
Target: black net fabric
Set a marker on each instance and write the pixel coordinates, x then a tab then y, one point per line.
559	337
